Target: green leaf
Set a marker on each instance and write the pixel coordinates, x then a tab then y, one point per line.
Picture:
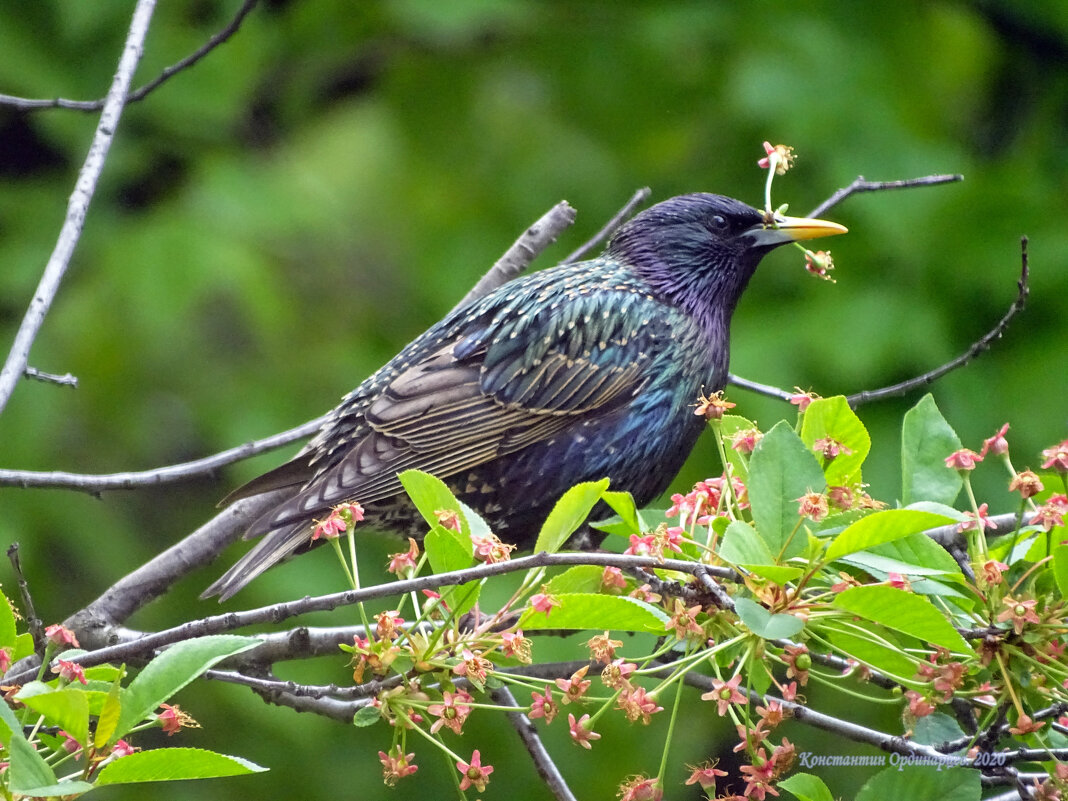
1060	568
7	623
622	504
172	764
936	728
108	721
366	716
67	708
778	574
71	788
781	470
581	610
806	787
763	623
430	495
742	545
171	671
568	514
920	550
880	527
902	611
926	440
922	783
832	417
27	770
869	651
581	578
448	550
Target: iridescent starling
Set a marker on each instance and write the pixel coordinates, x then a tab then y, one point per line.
569	374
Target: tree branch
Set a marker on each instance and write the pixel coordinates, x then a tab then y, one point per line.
27	104
860	185
78	205
523	251
609	227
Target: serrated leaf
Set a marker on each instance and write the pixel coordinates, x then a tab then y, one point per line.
1060	568
366	716
869	651
71	788
603	612
108	720
763	623
781	470
172	764
67	708
742	545
622	504
449	550
880	527
926	440
430	494
7	623
777	574
581	578
922	783
902	611
171	671
568	514
832	417
806	787
27	768
936	728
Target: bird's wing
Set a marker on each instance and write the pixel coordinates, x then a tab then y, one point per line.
481	392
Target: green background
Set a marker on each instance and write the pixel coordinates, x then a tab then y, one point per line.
278	221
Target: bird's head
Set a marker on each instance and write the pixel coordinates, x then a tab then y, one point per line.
699	251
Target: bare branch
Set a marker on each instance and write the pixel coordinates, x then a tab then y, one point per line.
30	611
27	104
525	249
78	204
543	762
976	348
860	185
57	479
51	378
609	227
754	386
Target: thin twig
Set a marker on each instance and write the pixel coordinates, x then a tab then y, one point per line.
78	205
51	378
760	389
860	185
33	622
208	465
523	251
28	104
543	762
976	348
610	227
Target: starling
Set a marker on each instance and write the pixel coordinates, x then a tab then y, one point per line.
570	374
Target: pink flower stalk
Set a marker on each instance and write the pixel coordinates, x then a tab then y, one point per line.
543	705
997	444
1056	458
474	773
725	693
451	712
582	731
69	671
396	765
963	460
62	636
403	564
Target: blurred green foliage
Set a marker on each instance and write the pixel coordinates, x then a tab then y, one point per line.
276	222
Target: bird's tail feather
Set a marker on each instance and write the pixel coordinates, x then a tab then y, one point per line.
294	473
272	549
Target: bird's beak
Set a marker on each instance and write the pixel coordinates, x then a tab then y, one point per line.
792	229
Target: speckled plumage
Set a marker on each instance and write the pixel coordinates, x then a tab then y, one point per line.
570	374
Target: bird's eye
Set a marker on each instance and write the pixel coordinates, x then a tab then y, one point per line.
718	223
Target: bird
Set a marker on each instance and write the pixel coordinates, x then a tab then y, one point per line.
572	373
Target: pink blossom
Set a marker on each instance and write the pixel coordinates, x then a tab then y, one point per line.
581	731
474	773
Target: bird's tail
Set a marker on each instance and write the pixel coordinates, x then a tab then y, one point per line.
272	549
